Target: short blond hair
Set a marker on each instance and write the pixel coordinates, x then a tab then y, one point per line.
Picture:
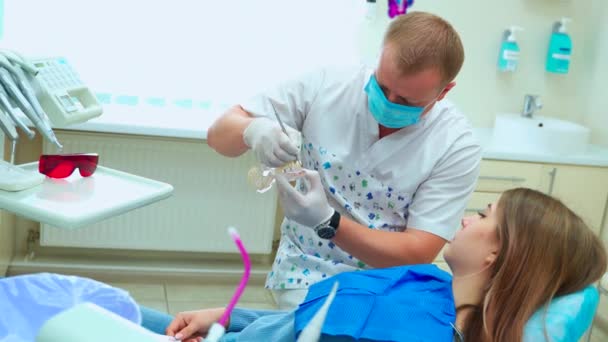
424	40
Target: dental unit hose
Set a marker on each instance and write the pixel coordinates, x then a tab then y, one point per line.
42	125
218	328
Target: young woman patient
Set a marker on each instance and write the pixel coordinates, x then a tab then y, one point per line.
507	262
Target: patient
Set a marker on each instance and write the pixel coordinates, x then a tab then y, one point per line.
507	262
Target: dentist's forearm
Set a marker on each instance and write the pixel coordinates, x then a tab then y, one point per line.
226	134
379	248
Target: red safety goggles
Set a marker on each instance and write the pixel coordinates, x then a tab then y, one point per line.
62	165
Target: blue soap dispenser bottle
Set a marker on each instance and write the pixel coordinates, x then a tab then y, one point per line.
508	57
560	48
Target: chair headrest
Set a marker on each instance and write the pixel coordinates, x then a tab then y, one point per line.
567	317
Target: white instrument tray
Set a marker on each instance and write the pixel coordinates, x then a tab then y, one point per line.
78	201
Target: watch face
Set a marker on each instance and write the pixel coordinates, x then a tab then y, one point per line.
326	232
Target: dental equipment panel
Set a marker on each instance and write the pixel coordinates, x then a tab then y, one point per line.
63	95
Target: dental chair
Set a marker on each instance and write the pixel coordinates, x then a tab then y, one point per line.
567	318
28	301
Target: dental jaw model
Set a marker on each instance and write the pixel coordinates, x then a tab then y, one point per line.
262	178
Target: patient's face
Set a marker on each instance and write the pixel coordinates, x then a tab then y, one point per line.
475	245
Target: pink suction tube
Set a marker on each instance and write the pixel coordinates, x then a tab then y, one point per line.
239	290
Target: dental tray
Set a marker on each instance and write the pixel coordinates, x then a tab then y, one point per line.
77	201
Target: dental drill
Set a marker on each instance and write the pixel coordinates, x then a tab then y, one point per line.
8	127
42	125
5	105
25	98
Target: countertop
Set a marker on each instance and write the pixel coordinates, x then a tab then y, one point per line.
593	156
193	124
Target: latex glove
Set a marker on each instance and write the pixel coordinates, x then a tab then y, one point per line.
190	326
310	207
269	144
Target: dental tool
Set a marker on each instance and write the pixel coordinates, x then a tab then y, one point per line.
8	126
6	105
30	95
276	114
312	331
218	329
16	58
262	177
43	126
11	132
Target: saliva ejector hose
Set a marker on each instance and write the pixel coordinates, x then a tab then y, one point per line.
218	328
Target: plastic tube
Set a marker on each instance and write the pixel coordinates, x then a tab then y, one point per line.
217	329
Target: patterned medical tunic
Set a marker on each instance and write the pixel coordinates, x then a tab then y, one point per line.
418	177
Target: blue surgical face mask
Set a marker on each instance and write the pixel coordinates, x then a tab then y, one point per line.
387	113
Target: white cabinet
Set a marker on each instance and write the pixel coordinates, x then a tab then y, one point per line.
583	189
7	240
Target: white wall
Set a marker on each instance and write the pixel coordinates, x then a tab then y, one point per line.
597	104
482	91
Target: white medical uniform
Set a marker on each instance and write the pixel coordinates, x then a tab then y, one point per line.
419	177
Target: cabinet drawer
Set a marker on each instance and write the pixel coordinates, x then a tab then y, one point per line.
498	176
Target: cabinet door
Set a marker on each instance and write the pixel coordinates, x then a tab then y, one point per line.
7	241
583	189
498	176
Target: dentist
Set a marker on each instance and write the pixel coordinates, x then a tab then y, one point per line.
394	161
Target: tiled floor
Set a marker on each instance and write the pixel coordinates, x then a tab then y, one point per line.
173	298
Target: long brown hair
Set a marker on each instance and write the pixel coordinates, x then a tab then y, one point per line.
546	250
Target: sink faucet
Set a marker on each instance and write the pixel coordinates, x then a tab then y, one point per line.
531	104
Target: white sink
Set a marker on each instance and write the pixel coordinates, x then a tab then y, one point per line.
539	135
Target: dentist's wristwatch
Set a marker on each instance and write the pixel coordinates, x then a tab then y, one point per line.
327	230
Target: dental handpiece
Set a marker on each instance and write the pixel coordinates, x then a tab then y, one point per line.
8	126
43	127
6	105
11	132
30	95
16	58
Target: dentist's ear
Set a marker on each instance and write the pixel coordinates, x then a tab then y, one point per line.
446	90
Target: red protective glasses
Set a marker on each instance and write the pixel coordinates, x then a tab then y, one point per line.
62	165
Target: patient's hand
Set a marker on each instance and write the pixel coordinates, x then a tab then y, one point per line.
191	326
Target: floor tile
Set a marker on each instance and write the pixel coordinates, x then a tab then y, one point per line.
176	307
141	292
216	293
